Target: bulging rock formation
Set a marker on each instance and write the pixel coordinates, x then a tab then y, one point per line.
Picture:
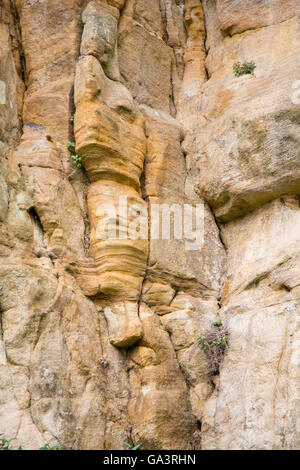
100	307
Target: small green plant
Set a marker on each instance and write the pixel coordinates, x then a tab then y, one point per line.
48	447
71	146
244	68
132	446
5	443
77	161
214	343
72	118
203	343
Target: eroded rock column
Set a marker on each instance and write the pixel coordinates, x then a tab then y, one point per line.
110	138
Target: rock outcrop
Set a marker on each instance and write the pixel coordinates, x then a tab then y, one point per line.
100	312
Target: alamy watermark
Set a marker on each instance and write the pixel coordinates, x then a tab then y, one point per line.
126	221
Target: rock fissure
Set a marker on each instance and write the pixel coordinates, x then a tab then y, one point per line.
99	327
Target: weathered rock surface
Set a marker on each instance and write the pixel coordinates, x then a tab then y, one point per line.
253	157
99	318
261	305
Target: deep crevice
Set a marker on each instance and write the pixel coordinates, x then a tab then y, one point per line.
17	23
22	70
219	227
36	219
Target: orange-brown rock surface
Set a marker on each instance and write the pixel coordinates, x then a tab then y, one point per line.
100	317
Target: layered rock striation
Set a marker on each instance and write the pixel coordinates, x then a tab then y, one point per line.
99	317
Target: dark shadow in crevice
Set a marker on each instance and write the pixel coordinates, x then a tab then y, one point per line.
36	219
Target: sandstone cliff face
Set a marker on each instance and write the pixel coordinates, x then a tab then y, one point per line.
98	334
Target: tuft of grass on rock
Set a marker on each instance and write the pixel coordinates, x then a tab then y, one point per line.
214	343
243	68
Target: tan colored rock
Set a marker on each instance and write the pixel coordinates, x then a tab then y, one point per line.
157	384
100	35
189	317
116	255
147	16
3	199
99	334
145	64
159	296
252	158
238	16
52	361
173	260
194	65
124	326
181	285
111	142
261	307
115	3
105	113
49	29
42	308
268	243
9	124
49	193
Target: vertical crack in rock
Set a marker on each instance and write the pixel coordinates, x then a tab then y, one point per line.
98	333
219	228
18	30
20	61
144	196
